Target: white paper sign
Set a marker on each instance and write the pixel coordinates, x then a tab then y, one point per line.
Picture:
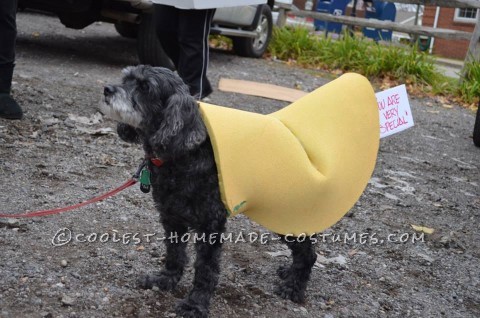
394	111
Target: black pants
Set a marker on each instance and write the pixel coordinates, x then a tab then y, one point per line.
183	35
8	34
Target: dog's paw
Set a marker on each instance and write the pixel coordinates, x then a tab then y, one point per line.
187	309
284	271
163	281
291	291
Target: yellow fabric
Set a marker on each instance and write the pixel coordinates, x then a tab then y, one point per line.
298	170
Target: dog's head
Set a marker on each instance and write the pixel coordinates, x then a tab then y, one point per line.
156	102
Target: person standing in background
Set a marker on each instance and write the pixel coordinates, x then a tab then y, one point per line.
9	108
183	34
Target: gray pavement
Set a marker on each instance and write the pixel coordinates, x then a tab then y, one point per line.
449	67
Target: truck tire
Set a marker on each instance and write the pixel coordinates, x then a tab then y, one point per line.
149	49
476	128
255	47
127	30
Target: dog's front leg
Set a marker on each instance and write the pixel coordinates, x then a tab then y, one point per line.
207	270
295	277
175	260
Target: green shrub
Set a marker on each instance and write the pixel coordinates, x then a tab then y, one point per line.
469	87
364	56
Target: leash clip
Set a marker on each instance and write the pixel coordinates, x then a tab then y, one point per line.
142	165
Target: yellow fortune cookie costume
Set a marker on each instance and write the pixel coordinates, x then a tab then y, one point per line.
300	169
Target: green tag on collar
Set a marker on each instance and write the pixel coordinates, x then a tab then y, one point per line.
145	180
145	177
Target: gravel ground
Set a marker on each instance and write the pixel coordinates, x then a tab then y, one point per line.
372	263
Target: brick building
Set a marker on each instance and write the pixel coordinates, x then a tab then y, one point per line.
448	18
455	19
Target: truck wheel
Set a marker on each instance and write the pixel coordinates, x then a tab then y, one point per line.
127	30
149	49
255	47
476	128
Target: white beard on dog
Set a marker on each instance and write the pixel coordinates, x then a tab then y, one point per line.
118	109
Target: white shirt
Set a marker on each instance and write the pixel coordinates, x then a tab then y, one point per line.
207	4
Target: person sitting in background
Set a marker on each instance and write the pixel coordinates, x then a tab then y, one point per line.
369	5
9	108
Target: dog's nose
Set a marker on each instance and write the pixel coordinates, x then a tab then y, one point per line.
108	90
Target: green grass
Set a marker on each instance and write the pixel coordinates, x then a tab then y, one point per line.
358	54
469	88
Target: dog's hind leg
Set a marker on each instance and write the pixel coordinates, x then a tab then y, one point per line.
175	261
295	277
207	270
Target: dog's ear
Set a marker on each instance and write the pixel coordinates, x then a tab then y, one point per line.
182	128
127	133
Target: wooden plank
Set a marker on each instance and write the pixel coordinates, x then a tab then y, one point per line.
282	18
473	53
388	25
473	49
442	3
260	89
283	9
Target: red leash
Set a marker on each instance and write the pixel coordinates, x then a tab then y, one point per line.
110	193
127	184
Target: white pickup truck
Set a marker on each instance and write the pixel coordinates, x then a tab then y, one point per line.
250	27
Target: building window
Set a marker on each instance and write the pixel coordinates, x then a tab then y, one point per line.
468	15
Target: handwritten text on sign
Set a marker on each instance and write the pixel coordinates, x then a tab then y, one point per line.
394	110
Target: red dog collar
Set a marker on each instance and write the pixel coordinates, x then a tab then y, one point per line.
156	162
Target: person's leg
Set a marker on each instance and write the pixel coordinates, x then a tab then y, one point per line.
8	32
193	32
166	26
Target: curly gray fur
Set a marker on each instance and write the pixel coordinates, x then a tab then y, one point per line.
154	108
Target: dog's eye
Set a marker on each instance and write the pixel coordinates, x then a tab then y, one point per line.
143	86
